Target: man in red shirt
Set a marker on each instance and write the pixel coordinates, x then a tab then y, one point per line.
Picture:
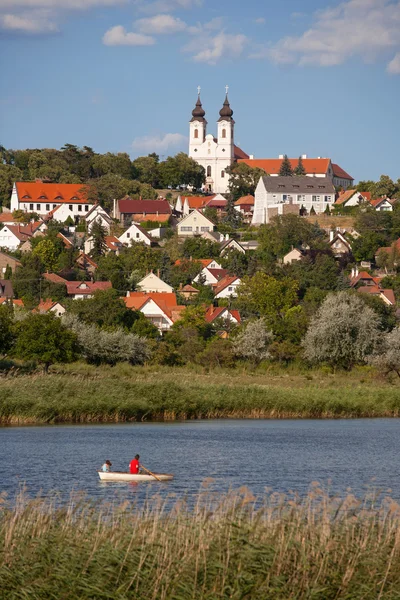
134	465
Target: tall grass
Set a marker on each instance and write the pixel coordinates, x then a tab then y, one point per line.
224	547
101	395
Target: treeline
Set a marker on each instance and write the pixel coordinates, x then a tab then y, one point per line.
108	175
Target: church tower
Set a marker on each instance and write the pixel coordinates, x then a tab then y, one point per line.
198	129
226	126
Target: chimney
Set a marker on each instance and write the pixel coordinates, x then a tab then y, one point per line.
158	273
331	235
280	156
353	271
114	208
356	272
251	157
304	156
128	294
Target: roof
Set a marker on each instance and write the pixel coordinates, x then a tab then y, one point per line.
239	153
379	201
61	193
103	213
54	278
376	290
112	242
216	203
155	218
166	301
85	258
299	185
246	200
345	196
366	195
341	173
13	300
6	288
363	275
204	261
6	218
148	207
197	201
23	232
389	249
64	239
215	312
46	305
189	288
272	165
91	287
218	273
224	283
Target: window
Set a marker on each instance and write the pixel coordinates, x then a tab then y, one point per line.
316	198
196	133
128	235
38	206
223	133
222	174
86	208
71	208
47	206
230	289
328	198
186	229
204	229
209	171
137	235
284	197
31	207
79	207
54	206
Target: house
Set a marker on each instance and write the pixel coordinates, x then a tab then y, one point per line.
386	295
186	204
296	193
231	244
210	276
339	245
194	224
245	205
153	283
188	291
222	312
41	198
128	210
6	289
161	309
392	251
6	218
349	198
227	287
97	214
112	244
135	233
205	262
78	290
16	303
218	203
49	306
84	262
213	236
383	204
53	278
8	261
294	255
314	167
362	278
12	236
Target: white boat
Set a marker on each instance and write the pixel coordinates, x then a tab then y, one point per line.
121	476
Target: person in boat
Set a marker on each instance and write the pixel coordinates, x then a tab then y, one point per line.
134	465
107	466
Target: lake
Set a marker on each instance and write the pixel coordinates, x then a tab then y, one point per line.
282	455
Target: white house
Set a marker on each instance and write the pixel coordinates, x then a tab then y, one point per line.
160	309
293	256
384	204
47	306
350	198
194	224
231	244
153	283
135	233
339	245
97	214
42	198
211	276
222	312
227	287
12	236
298	192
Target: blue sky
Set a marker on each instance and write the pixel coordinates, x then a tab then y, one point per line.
121	76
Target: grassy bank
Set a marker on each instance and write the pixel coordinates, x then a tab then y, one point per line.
225	548
80	394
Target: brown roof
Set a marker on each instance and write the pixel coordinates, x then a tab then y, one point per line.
224	283
218	273
239	153
54	278
164	300
144	207
379	201
46	305
245	200
112	242
215	312
375	290
73	287
345	196
341	173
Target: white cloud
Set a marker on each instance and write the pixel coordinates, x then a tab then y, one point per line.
35	22
394	66
223	45
356	28
160	24
118	36
159	143
260	21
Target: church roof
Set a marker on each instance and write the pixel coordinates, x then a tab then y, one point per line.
226	113
198	112
299	184
272	165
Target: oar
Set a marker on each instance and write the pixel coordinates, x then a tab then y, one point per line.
150	473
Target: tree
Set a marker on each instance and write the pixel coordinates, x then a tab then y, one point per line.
98	234
286	232
388	358
47	253
197	247
343	333
8	174
111	268
193	317
243	180
180	170
286	169
385	187
43	338
104	309
300	170
218	353
6	329
254	341
147	169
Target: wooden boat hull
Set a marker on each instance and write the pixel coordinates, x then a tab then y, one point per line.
120	476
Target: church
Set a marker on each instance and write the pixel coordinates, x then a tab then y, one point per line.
215	154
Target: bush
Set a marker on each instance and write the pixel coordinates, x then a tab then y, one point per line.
388	360
254	341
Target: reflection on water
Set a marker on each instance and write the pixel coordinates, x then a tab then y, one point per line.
280	455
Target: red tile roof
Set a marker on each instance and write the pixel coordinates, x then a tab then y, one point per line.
379	201
13	300
218	273
196	201
341	173
54	278
224	283
239	153
245	201
24	232
84	258
204	261
112	243
91	287
216	203
375	290
345	196
62	193
165	301
67	243
215	312
6	218
155	218
144	207
366	195
273	165
46	305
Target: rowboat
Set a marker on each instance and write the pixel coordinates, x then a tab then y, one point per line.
121	476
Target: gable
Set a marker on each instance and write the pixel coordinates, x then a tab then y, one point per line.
196	219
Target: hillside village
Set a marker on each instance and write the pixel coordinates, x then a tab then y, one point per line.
201	262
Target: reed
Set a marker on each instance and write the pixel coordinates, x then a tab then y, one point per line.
222	547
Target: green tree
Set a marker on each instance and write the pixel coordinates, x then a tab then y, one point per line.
385	187
148	169
193	317
98	234
286	169
111	268
43	338
47	253
8	175
286	232
243	180
300	170
197	247
6	329
181	170
104	309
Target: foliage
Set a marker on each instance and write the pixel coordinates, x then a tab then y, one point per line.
300	170
388	358
193	318
318	271
98	234
243	180
343	333
6	329
286	169
111	268
218	353
180	170
47	253
235	262
104	309
43	338
253	342
286	232
197	247
8	174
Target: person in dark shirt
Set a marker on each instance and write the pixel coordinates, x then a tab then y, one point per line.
134	465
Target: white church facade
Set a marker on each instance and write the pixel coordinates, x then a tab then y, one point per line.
215	154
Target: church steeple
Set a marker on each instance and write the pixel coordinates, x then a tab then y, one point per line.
226	113
198	113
